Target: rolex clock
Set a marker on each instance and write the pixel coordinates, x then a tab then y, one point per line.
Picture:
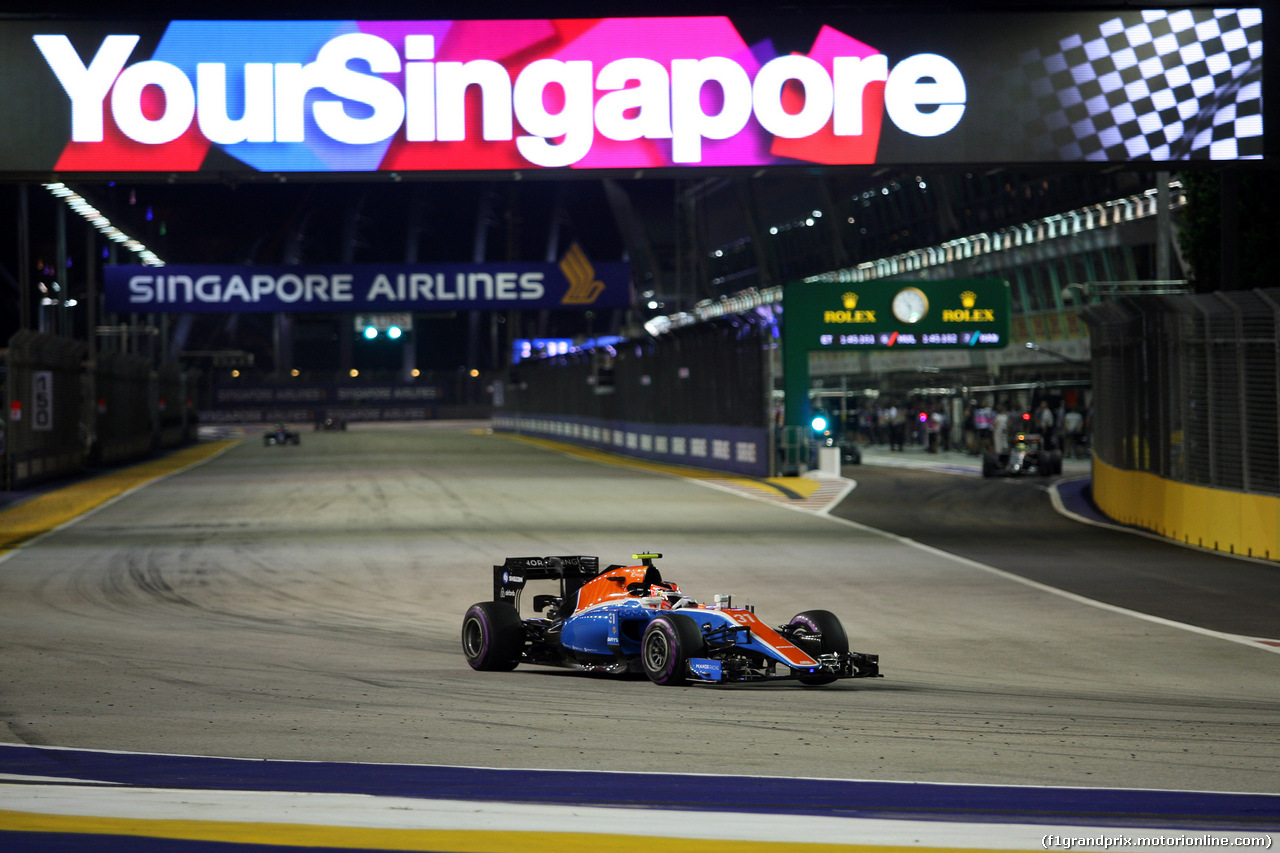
910	305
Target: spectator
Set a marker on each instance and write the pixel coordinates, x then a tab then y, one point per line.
897	428
1073	426
1044	422
934	431
1000	430
983	421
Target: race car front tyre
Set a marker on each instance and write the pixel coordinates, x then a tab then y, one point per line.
830	633
990	464
668	643
492	636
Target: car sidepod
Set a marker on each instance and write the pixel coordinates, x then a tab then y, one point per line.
610	629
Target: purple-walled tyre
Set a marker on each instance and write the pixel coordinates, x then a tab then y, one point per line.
668	643
492	636
833	638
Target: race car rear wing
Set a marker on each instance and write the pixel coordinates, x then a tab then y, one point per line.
572	572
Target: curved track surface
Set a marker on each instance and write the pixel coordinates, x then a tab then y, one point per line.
304	603
1012	525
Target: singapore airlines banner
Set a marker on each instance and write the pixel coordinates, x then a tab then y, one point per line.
367	287
630	93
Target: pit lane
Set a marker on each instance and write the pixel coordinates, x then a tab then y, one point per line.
304	603
1012	525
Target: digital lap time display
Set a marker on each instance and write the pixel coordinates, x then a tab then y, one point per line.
910	339
955	314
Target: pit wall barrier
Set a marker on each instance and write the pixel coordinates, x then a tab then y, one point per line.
737	450
1232	522
347	414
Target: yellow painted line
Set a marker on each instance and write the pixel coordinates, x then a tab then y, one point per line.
27	520
441	840
801	486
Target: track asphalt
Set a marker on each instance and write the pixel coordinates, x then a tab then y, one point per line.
85	800
27	515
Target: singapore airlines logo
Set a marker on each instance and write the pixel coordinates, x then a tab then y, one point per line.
584	287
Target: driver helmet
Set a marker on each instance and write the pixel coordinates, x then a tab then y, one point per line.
674	597
654	598
661	596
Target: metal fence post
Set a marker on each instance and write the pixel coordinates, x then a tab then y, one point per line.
1241	398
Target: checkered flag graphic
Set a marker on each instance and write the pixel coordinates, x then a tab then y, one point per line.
1155	85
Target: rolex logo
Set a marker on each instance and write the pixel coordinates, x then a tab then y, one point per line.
969	314
849	315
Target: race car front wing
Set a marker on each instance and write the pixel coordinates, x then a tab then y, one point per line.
731	668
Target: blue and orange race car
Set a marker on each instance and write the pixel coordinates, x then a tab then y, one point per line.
627	619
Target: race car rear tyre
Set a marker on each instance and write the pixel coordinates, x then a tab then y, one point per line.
833	638
492	636
668	643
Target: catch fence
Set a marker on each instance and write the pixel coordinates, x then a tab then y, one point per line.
41	434
62	414
1187	387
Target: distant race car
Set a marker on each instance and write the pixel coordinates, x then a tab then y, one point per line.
280	435
1025	456
331	424
850	452
627	619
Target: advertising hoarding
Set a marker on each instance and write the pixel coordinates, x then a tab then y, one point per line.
630	93
365	288
743	450
886	315
956	313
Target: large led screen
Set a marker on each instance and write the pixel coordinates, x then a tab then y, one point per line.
630	93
